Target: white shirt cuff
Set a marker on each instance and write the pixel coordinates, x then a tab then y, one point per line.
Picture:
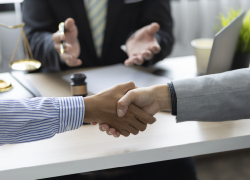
123	47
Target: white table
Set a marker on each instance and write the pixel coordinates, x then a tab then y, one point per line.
88	149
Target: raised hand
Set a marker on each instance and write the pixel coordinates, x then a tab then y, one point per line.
72	46
102	108
142	45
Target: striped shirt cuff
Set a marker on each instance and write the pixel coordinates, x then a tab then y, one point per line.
71	113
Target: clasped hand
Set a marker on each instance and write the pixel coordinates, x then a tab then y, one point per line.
102	109
125	109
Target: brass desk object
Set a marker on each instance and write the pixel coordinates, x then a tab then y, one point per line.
26	64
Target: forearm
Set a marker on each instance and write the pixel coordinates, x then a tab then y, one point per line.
27	120
218	97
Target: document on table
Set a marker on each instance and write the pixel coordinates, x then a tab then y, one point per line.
106	77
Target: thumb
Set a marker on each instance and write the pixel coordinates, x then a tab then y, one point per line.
153	28
69	24
123	103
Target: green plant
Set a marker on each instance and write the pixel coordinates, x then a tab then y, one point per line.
243	45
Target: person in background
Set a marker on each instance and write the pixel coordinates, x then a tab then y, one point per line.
96	30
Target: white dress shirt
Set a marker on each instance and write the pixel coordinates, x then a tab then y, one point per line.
26	120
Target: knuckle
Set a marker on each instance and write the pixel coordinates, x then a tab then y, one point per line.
121	103
131	83
131	93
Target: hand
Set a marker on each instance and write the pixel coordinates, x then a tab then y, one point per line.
142	45
71	47
150	99
101	108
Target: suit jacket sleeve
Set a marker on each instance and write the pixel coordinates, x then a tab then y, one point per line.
40	24
158	11
217	97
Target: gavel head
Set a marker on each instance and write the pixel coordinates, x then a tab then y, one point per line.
78	85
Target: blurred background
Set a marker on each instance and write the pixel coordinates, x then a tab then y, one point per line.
193	19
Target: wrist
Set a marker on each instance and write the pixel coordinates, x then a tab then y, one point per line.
163	97
89	109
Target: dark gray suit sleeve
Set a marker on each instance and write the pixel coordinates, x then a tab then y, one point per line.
218	97
158	11
40	24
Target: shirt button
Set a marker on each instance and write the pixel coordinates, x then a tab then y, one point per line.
68	128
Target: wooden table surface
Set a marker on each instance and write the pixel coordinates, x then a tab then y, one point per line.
88	149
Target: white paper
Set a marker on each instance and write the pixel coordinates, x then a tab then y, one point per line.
106	77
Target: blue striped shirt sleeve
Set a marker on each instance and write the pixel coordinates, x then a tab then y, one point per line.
26	120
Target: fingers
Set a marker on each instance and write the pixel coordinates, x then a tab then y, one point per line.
153	28
93	123
135	59
125	87
58	37
141	115
139	60
155	48
117	134
130	61
109	131
113	132
71	60
103	127
125	133
67	48
144	55
137	124
132	130
147	54
68	55
69	24
123	103
145	118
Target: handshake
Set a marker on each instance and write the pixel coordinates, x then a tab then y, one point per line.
125	109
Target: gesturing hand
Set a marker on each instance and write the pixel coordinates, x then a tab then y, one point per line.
142	45
72	46
101	108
